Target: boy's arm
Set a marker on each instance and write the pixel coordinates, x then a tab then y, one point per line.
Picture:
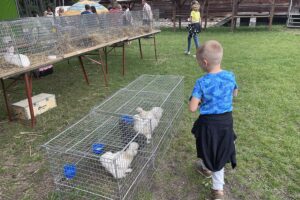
194	104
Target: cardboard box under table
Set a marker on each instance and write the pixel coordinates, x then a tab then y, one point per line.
41	103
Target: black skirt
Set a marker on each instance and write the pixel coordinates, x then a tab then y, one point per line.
215	140
194	28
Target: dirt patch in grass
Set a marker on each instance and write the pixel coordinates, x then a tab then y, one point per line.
24	180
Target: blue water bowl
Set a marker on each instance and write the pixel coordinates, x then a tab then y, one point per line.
70	171
127	119
98	148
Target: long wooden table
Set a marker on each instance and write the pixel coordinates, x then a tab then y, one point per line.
81	54
146	35
122	45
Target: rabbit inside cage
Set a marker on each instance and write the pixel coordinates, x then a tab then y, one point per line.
27	42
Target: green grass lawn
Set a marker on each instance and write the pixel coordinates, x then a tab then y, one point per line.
267	116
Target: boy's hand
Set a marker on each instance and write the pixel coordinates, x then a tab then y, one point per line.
235	92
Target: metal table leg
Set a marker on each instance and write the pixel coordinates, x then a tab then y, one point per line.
83	70
155	47
6	100
28	88
140	46
123	59
105	55
101	65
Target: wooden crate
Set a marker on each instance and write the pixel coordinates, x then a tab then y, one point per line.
41	103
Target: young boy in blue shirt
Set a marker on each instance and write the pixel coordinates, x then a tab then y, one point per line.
212	96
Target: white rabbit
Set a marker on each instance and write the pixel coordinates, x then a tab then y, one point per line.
146	121
16	59
118	164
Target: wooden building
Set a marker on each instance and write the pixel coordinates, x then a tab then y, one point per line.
232	9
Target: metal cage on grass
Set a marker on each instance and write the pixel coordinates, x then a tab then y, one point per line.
106	153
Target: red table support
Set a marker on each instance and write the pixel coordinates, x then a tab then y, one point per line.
28	89
100	63
140	47
154	40
83	70
6	100
140	44
106	52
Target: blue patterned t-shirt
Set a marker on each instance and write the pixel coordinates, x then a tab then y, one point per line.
215	92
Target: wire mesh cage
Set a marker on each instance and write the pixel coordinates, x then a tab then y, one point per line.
106	153
136	24
27	42
32	42
79	32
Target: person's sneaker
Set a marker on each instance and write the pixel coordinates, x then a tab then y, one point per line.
187	52
217	194
204	172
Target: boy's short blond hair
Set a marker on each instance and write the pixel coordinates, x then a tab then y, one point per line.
212	52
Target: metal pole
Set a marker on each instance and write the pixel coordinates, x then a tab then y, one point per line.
17	6
6	100
83	70
28	88
140	46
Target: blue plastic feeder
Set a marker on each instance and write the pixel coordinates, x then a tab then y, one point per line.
127	119
98	148
70	171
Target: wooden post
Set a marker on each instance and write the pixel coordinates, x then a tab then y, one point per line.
234	14
206	13
271	14
174	16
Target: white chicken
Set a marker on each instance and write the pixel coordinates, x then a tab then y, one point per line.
146	121
118	164
16	59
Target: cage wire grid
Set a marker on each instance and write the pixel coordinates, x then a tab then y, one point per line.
106	177
141	188
32	42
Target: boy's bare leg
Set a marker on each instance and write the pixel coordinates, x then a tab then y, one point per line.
218	184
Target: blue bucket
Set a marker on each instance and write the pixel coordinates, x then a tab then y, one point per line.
127	119
98	148
70	171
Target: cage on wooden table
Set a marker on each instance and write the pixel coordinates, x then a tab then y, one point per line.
27	42
137	24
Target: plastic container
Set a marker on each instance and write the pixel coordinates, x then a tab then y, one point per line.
98	148
126	126
70	171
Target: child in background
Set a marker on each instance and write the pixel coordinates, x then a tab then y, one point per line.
213	129
93	9
194	27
